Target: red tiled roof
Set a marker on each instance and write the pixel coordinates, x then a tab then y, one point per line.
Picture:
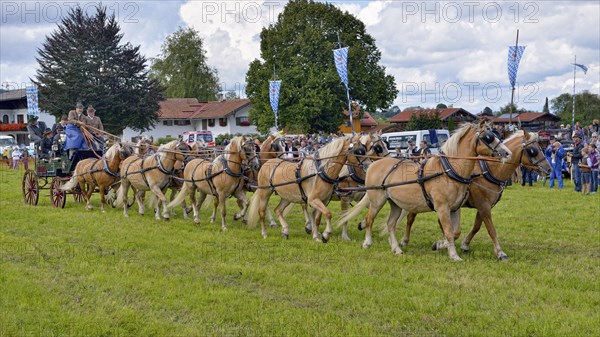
524	117
404	116
190	108
367	119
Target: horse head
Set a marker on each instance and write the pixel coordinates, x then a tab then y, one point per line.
378	147
358	152
248	153
534	154
488	144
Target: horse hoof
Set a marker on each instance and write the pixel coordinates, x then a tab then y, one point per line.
465	249
366	245
285	236
403	243
244	221
167	219
456	259
434	246
346	238
397	251
308	230
325	239
360	226
236	217
503	257
197	221
273	225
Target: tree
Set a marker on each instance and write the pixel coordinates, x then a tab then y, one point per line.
83	59
231	95
487	111
424	121
441	106
546	109
182	67
587	106
299	45
507	109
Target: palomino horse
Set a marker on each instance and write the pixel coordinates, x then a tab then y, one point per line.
443	182
488	184
308	182
152	173
220	178
102	172
353	176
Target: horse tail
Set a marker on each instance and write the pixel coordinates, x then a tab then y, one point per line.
354	211
288	209
69	185
121	196
208	201
253	210
180	198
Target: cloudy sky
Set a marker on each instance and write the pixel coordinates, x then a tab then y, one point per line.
452	52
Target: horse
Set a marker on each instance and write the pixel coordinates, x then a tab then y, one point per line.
489	180
220	178
308	182
353	176
102	172
152	173
442	180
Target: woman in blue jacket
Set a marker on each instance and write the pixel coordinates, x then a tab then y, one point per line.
555	154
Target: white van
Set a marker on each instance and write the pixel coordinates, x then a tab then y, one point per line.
400	139
6	141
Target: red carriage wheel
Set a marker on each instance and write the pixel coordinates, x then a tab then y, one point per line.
77	194
57	196
31	188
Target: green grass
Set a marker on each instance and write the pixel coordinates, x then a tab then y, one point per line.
72	272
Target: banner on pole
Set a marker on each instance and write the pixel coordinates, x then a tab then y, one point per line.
340	56
514	57
274	87
32	100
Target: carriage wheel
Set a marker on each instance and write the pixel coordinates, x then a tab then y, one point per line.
77	194
57	196
31	188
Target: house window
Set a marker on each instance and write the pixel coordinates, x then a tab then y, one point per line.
20	119
182	122
168	122
211	122
242	121
222	121
5	119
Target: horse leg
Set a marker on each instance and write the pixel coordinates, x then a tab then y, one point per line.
196	204
279	210
171	197
125	187
476	226
102	198
445	219
410	220
86	196
243	203
213	216
455	220
376	202
395	213
489	225
320	207
307	220
223	202
272	222
345	202
139	198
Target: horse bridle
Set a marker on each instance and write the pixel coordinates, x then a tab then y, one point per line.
487	138
531	152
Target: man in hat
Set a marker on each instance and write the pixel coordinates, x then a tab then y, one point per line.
93	120
77	115
35	131
46	145
555	154
575	160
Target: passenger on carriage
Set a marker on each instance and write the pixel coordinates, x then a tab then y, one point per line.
96	123
75	138
35	131
46	144
58	134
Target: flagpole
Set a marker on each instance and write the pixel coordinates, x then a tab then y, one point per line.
347	92
573	111
512	95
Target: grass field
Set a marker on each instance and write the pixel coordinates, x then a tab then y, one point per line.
72	272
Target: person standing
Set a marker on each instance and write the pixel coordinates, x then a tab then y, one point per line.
555	154
25	157
35	131
16	156
290	150
575	160
595	168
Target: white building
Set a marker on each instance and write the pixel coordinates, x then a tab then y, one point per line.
13	115
179	115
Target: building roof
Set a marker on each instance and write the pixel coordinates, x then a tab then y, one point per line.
404	116
191	108
367	120
523	117
11	95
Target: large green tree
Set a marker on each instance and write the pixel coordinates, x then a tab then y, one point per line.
84	59
182	67
425	121
299	46
587	107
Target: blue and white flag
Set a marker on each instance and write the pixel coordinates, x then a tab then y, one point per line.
584	68
340	56
274	95
32	100
514	57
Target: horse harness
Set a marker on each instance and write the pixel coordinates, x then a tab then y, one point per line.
143	169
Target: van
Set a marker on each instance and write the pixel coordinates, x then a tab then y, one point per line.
400	139
6	141
194	136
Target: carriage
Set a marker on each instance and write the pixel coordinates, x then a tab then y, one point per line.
50	173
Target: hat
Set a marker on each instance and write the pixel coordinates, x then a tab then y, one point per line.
32	118
552	138
576	136
594	134
410	141
91	108
47	131
79	105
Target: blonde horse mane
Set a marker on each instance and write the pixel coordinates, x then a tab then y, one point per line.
450	147
332	149
112	151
